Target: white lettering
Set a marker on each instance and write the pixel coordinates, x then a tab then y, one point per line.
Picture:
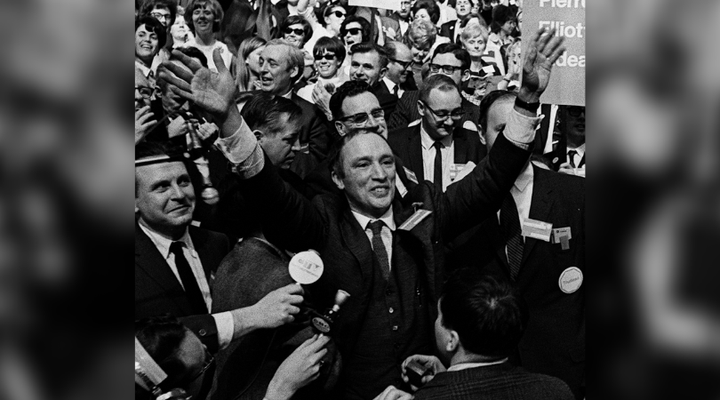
564	3
570	31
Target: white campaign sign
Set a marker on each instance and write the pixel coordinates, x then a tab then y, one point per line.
306	267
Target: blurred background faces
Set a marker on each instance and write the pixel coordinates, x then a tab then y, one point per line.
654	193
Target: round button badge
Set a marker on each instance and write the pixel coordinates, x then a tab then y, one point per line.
306	267
570	280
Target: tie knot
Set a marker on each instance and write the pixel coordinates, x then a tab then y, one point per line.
438	145
572	153
376	226
176	247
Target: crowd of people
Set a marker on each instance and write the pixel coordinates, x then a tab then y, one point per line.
409	149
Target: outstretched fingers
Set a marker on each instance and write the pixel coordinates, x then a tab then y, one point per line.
544	39
219	63
189	62
555	49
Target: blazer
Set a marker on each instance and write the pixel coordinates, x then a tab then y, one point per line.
407	112
554	340
387	100
157	290
495	382
407	144
327	225
315	134
448	30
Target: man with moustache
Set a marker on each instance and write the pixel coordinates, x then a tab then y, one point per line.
386	252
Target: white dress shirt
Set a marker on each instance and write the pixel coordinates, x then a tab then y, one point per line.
522	191
386	231
391	86
462	366
428	153
578	157
224	320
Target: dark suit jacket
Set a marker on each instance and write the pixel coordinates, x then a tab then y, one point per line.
448	30
327	225
387	100
554	341
407	144
494	382
315	134
157	290
406	111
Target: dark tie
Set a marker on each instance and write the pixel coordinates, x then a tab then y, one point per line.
188	279
510	228
395	90
571	156
379	246
438	174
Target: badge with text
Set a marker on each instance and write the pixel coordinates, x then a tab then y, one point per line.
455	169
414	219
537	229
570	280
306	267
410	175
400	186
562	236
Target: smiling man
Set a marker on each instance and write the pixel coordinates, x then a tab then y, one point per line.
369	64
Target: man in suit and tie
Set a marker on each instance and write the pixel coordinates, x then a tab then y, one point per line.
369	64
437	150
175	261
398	21
386	252
538	242
449	59
399	76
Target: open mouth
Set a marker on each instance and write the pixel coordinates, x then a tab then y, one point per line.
380	191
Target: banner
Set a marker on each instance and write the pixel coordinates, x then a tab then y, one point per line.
387	4
567	81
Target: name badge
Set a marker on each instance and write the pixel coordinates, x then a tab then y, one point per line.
400	186
570	280
562	236
455	169
411	175
537	229
414	219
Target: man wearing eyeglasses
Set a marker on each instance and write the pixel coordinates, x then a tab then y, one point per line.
399	76
437	149
387	252
449	59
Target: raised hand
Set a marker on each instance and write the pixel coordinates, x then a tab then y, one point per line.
299	369
214	92
430	362
143	122
542	52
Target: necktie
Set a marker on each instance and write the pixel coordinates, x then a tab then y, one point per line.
438	174
510	228
188	279
379	246
571	156
395	90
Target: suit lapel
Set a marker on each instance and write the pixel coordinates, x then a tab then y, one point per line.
540	206
415	153
150	261
357	242
461	147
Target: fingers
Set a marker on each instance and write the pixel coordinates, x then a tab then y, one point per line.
175	74
185	94
219	63
555	49
189	62
544	39
292	288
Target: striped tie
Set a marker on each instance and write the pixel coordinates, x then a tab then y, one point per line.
510	228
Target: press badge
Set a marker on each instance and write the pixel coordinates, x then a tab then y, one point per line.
414	219
537	229
562	236
455	170
410	175
570	280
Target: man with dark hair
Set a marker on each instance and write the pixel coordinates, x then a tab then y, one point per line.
449	59
386	251
547	268
437	149
369	64
479	324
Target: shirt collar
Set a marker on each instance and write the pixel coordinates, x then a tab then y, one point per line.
145	70
428	142
163	244
580	149
387	218
462	366
288	95
525	177
390	84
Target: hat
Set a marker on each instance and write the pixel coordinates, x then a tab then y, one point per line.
501	14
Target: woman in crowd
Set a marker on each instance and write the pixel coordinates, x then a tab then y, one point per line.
204	17
150	37
427	10
421	37
483	75
296	30
333	16
511	80
329	55
180	31
247	66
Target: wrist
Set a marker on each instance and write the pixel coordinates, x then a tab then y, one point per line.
527	96
525	108
229	122
278	391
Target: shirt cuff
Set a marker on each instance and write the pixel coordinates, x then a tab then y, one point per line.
243	151
520	130
225	328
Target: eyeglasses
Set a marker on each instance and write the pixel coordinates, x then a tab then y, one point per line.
326	56
404	64
209	361
361	118
575	111
442	115
353	31
158	15
298	32
145	91
445	69
338	14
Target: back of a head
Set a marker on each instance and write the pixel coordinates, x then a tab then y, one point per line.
347	89
263	112
487	102
488	314
162	338
457	50
369	47
437	81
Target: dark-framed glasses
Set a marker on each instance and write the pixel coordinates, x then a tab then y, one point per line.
442	115
145	91
326	56
404	64
361	118
337	13
160	16
445	69
575	111
298	32
353	31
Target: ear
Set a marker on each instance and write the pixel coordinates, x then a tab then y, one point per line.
258	135
340	128
294	73
336	179
421	108
453	342
383	71
466	75
482	137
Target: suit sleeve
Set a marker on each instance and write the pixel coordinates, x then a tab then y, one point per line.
205	329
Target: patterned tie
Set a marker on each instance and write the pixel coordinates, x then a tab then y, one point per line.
192	290
395	90
510	228
438	174
571	156
379	246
